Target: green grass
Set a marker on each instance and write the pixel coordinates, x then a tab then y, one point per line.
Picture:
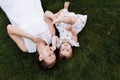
97	58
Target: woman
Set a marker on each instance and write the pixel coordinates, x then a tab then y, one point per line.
28	27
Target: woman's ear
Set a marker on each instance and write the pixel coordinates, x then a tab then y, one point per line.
40	58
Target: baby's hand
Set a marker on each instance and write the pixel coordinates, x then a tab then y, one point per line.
69	28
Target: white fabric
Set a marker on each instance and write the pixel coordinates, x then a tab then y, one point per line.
29	16
78	26
65	35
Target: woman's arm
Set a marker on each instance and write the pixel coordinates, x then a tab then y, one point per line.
21	33
17	39
51	27
17	35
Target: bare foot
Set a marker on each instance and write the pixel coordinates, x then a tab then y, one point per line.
66	5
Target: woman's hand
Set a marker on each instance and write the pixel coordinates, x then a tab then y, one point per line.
53	48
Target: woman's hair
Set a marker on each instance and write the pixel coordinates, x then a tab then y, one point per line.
42	63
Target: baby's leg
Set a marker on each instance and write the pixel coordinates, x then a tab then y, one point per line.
66	19
66	5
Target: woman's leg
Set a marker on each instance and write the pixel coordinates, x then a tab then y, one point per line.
18	32
66	5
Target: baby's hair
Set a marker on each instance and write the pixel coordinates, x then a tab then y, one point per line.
63	58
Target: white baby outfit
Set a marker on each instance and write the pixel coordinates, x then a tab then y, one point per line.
67	35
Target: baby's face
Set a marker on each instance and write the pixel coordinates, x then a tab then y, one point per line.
66	50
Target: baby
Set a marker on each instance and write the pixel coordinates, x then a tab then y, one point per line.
69	25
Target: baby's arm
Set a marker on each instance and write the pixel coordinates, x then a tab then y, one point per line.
54	42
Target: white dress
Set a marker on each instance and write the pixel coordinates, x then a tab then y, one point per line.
67	35
29	16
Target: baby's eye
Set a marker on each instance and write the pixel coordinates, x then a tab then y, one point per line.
67	50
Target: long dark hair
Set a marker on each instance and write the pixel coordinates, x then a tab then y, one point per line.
42	62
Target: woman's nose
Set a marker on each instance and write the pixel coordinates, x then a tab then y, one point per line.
50	49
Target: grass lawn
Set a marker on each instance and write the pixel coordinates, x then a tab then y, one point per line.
97	58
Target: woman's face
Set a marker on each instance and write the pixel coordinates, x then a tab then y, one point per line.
48	55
